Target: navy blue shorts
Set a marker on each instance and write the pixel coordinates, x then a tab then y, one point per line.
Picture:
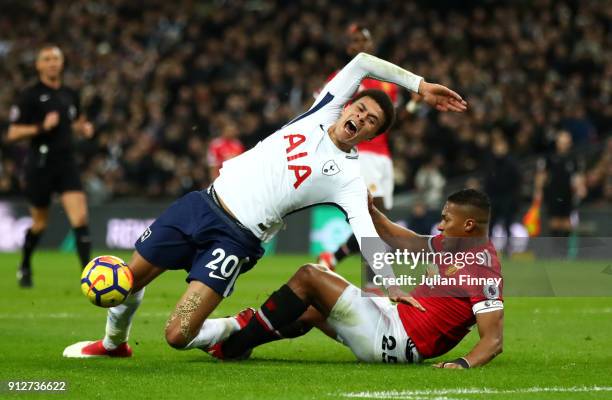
195	234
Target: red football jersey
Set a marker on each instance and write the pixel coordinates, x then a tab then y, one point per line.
450	308
222	149
380	144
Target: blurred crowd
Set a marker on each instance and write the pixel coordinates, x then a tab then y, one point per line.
161	81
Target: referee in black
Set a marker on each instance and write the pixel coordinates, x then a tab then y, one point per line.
565	186
46	114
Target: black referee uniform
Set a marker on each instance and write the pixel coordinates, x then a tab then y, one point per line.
50	163
559	193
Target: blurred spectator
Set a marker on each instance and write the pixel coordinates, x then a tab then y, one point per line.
578	125
223	148
564	186
599	178
502	183
429	183
420	220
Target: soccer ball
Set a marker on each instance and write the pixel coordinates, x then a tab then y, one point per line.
106	281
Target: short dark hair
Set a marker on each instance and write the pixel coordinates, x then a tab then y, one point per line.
384	102
47	46
471	197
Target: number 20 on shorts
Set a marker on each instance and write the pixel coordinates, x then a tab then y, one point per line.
223	266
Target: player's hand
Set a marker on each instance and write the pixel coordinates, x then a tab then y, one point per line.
441	98
450	365
397	295
51	120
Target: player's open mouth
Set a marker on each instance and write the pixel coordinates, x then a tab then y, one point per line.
350	127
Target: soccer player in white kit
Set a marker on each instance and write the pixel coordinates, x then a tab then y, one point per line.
216	234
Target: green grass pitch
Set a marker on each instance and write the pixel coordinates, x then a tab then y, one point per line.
554	348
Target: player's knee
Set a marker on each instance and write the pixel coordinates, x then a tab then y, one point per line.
175	338
307	273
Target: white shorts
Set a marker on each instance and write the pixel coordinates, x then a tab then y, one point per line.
371	328
377	173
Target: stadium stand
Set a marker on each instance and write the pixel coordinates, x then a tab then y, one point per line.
160	83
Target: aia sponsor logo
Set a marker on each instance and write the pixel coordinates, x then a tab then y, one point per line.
301	172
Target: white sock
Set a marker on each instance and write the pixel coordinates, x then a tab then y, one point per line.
119	320
214	331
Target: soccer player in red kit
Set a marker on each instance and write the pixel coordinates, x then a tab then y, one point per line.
223	148
374	155
428	324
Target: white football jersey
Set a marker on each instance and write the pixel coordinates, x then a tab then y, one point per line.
299	166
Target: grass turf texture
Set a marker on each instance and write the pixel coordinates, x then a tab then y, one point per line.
554	343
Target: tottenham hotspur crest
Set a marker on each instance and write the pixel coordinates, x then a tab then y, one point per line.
330	168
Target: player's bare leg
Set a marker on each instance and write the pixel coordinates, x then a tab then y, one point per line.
75	205
312	285
187	320
119	318
318	286
143	271
40	218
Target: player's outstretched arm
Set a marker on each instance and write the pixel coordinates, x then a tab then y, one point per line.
343	86
395	235
346	82
491	331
